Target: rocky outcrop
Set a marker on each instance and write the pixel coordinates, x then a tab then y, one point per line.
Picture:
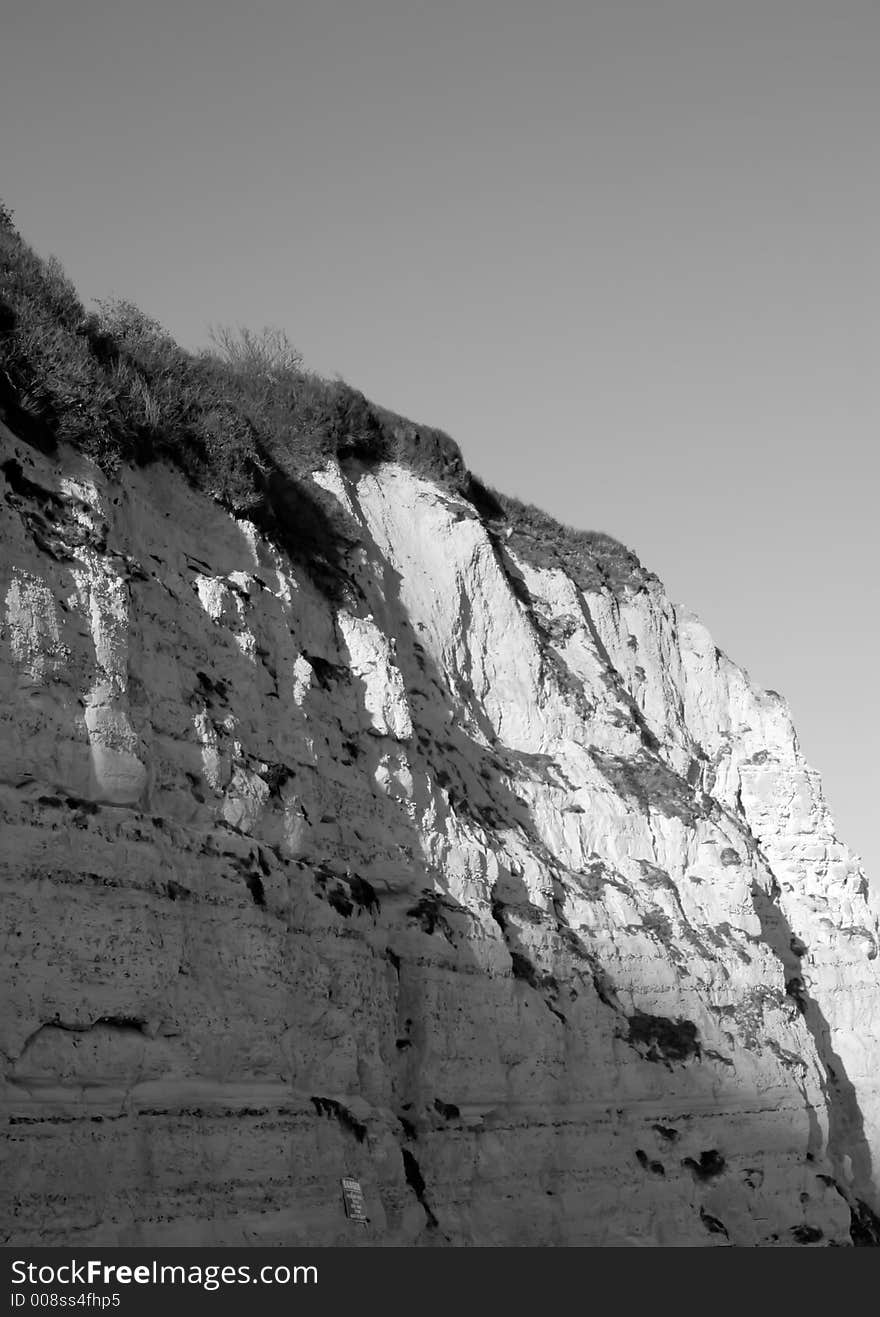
499	890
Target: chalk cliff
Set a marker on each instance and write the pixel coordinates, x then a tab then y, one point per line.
490	884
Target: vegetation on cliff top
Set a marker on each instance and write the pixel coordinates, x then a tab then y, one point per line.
245	422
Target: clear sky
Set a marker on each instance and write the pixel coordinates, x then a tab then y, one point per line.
625	251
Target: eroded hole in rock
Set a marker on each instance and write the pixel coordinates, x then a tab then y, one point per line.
805	1234
448	1110
712	1224
127	1023
326	673
212	688
709	1167
256	889
655	1167
353	892
82	805
275	776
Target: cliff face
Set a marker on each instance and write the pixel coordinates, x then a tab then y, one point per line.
513	900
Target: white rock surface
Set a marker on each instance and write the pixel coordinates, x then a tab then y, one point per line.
517	904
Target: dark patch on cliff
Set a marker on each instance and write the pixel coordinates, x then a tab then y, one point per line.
664	1039
864	1227
649	782
655	1167
448	1110
709	1167
416	1181
522	967
432	913
805	1234
332	1109
712	1224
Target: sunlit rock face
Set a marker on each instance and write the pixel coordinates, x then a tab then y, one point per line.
516	903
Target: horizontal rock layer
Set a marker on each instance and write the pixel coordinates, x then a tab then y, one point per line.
514	902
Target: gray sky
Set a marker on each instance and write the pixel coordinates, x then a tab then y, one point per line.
625	252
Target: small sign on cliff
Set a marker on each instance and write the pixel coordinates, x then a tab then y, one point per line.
353	1197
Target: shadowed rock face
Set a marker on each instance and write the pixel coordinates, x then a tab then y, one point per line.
515	903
